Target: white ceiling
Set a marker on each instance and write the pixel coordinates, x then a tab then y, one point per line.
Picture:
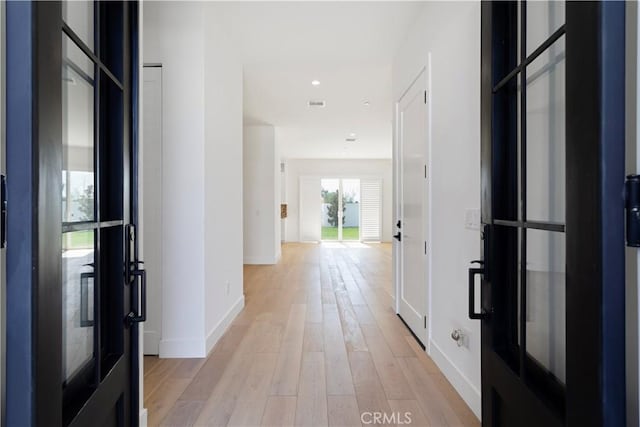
347	46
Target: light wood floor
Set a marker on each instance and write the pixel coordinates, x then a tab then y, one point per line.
317	344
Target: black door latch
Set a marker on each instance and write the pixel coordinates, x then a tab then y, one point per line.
632	210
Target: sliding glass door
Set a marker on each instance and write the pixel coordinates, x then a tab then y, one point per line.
340	210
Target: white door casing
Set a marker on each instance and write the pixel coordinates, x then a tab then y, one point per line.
413	199
152	201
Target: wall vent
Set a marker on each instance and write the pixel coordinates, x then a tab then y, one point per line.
351	139
318	104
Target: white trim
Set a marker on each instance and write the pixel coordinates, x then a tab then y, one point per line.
182	348
150	342
261	260
465	388
224	323
429	219
144	417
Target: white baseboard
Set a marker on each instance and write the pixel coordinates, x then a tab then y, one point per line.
144	415
151	343
182	348
261	260
224	323
469	393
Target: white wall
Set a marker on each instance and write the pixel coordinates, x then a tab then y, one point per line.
202	163
450	33
223	179
174	37
331	168
261	169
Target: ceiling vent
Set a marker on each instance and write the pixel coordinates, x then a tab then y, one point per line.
350	139
317	104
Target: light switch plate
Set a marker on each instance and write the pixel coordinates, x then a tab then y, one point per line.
472	219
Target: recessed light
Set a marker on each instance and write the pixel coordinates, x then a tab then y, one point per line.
315	82
352	135
367	103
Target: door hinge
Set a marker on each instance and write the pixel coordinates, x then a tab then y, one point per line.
3	211
425	322
425	247
425	96
425	171
632	210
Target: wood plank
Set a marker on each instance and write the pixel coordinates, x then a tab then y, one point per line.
219	406
313	338
183	414
162	399
285	378
409	412
311	405
391	376
339	381
280	411
428	364
369	392
364	315
343	411
433	404
204	383
353	337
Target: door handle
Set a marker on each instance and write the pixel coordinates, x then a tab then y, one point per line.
398	236
472	292
138	297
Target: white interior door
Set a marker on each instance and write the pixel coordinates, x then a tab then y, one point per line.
152	205
310	209
413	289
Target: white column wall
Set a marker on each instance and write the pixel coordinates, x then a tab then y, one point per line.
202	173
224	296
261	196
174	37
449	33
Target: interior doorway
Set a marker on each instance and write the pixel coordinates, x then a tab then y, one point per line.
412	226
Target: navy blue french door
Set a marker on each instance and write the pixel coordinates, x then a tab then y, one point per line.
552	292
73	287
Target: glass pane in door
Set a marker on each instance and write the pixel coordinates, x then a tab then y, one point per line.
78	15
78	181
77	300
330	212
351	209
545	150
546	300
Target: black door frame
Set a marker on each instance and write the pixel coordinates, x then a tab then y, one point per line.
34	161
595	285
